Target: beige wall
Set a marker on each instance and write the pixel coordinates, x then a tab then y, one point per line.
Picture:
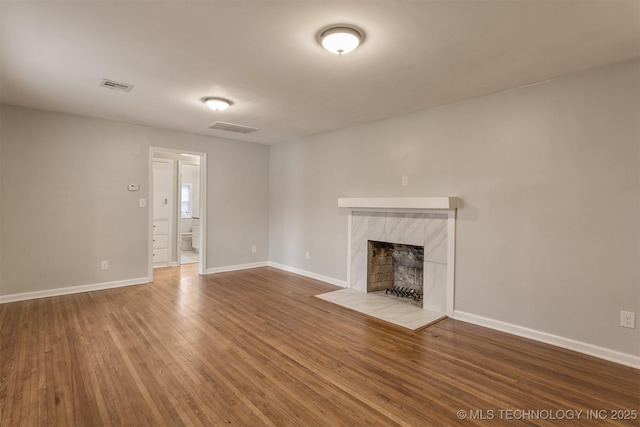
65	204
547	236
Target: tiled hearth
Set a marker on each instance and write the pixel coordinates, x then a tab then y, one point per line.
384	308
421	222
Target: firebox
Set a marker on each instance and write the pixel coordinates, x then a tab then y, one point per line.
396	270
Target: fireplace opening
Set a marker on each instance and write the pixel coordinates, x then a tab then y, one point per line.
396	270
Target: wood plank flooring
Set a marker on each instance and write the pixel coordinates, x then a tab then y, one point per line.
254	348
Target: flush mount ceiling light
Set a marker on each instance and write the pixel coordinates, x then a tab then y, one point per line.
340	39
217	104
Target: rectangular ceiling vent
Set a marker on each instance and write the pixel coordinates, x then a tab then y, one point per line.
110	84
230	127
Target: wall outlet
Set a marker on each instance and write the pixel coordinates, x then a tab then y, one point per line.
104	265
405	180
306	255
254	249
628	319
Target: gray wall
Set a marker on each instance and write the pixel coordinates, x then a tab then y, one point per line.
548	235
65	204
1	201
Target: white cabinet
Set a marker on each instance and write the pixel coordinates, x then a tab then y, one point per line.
195	234
160	242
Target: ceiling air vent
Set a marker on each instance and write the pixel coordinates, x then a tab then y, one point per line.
230	127
110	84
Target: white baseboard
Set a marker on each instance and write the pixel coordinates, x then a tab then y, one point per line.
578	346
71	290
320	277
236	267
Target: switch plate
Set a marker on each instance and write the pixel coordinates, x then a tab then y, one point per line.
142	203
405	180
134	187
254	249
306	255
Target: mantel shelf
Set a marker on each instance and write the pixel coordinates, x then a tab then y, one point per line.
448	203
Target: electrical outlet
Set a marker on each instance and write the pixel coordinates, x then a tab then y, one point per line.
405	180
104	265
628	319
306	255
254	249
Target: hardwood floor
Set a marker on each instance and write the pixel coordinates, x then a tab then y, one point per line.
254	348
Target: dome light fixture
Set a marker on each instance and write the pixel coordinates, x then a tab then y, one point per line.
340	39
217	104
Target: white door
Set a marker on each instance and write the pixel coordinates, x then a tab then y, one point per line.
163	206
162	189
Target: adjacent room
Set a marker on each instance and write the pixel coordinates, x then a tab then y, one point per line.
310	213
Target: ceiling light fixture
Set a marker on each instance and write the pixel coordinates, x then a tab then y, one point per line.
217	104
340	39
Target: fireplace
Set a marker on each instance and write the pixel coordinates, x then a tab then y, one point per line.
396	270
423	222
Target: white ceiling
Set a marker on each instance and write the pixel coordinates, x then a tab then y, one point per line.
263	55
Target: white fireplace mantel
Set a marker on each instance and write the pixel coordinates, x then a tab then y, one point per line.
440	203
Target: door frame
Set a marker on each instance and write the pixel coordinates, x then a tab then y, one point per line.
202	254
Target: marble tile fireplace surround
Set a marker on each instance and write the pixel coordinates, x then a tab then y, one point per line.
426	223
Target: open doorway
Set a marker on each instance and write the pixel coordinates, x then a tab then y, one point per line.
178	205
189	224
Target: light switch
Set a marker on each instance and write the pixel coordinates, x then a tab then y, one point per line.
134	187
143	203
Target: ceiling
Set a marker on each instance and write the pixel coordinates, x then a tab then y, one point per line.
263	55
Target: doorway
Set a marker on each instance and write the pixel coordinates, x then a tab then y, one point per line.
178	205
189	203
